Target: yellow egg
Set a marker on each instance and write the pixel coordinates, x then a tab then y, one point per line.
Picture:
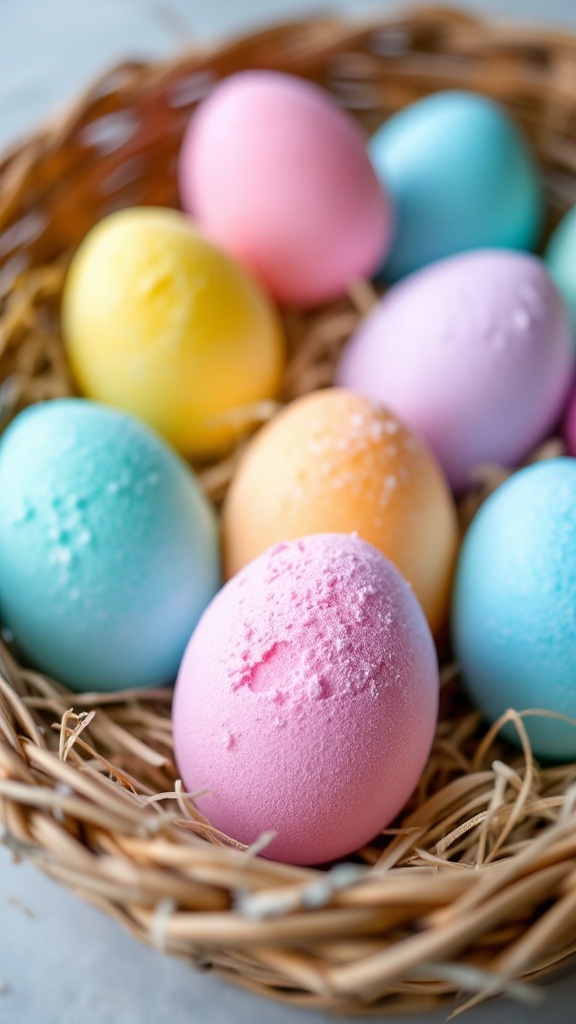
159	322
335	462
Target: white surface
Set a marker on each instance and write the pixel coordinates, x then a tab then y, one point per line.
68	964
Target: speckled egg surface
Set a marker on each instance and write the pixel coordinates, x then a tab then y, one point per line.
514	610
307	699
108	549
334	461
460	175
474	353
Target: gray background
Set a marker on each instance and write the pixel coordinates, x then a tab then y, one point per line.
60	961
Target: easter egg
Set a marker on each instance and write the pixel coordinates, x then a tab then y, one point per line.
514	626
307	699
278	175
560	258
474	353
108	549
460	176
334	462
158	322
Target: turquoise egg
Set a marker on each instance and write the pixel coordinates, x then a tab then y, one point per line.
514	606
460	176
560	258
108	549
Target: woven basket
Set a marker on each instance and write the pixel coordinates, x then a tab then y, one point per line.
474	891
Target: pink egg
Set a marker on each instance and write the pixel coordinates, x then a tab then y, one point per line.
307	699
473	352
278	175
570	426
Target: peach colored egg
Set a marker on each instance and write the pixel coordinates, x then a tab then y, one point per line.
335	462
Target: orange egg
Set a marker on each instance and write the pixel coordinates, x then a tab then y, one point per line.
334	462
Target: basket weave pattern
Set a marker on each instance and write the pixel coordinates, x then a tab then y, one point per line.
474	890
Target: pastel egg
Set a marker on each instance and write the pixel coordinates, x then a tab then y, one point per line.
108	549
513	614
158	322
335	462
474	353
460	176
278	175
307	699
560	260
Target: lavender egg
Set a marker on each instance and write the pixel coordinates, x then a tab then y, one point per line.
473	352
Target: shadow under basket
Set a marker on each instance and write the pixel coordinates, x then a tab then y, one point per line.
473	892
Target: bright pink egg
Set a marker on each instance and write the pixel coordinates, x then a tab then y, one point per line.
307	699
278	175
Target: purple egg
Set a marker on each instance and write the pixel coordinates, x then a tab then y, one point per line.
474	352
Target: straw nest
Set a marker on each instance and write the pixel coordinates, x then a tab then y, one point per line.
473	892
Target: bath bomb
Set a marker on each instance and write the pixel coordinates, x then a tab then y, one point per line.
278	175
514	624
158	322
460	175
307	699
334	461
474	353
108	548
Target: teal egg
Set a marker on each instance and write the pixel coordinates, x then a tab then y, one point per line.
460	176
108	549
560	258
514	606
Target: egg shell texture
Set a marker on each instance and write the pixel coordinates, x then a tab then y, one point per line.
307	699
158	322
514	621
460	176
473	352
278	175
108	549
333	461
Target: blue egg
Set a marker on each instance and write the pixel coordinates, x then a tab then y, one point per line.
514	609
560	258
108	549
460	176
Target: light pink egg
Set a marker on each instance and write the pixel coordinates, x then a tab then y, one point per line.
278	175
473	352
307	699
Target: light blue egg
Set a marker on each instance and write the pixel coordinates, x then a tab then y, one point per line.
560	258
460	176
514	609
108	548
